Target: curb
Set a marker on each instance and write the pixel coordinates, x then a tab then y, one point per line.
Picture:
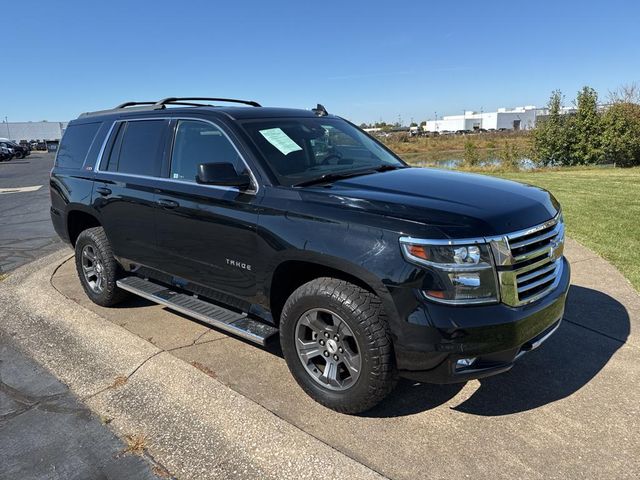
192	424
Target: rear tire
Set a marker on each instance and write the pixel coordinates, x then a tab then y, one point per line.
336	341
97	268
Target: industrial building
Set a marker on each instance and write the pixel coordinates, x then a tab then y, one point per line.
17	131
519	118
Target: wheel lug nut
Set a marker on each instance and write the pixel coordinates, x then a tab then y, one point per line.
336	338
321	342
341	350
326	334
326	354
335	357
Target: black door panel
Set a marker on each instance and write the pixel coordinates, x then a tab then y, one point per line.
128	216
209	237
125	189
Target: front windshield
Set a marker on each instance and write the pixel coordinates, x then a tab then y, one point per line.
302	149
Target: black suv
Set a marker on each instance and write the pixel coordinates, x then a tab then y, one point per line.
264	221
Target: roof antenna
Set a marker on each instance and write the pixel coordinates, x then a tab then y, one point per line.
320	111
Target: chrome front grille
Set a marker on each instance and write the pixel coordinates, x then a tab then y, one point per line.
530	262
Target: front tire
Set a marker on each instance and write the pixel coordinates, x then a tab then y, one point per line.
97	268
336	342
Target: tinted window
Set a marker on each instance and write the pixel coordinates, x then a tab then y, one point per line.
138	148
75	144
199	142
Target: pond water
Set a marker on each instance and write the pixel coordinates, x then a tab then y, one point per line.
421	160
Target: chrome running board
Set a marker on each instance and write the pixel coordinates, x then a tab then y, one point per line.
236	323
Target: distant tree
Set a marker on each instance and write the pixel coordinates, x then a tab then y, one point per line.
552	136
587	130
423	123
627	93
621	132
413	124
364	125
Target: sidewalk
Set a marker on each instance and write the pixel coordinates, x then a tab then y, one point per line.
47	433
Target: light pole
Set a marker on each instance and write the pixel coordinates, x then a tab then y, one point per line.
6	120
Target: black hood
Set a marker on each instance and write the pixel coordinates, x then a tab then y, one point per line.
459	204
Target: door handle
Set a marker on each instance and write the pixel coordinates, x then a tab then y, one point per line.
104	191
164	203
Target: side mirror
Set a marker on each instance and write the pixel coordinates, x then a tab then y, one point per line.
223	174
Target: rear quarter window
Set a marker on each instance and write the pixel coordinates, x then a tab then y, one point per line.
75	144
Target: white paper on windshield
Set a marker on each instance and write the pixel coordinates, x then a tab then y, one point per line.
280	140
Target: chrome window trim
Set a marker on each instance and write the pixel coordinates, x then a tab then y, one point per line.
100	159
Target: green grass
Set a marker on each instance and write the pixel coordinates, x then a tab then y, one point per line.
601	209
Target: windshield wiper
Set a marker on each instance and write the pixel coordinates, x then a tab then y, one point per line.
331	177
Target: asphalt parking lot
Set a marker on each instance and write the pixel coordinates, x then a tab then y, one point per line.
26	232
567	410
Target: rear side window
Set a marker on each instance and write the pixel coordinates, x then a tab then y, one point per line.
75	144
138	148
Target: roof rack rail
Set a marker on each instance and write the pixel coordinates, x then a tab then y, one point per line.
131	104
186	101
177	100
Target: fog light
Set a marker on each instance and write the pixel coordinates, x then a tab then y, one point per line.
464	363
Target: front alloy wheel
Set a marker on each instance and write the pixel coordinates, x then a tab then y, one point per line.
336	341
328	349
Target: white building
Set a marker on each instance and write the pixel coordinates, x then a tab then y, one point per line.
17	131
519	118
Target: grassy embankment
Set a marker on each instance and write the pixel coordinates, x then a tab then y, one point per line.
429	150
601	209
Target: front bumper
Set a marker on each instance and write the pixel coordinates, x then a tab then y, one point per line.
495	335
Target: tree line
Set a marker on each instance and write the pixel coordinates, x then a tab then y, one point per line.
594	134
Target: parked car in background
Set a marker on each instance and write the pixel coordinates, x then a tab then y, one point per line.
19	151
5	153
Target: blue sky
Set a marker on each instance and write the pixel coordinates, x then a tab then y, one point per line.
363	60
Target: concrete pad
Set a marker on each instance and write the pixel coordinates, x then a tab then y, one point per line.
48	434
87	364
568	410
154	323
189	421
601	298
203	430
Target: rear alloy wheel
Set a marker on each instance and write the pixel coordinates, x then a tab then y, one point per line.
335	339
93	269
97	269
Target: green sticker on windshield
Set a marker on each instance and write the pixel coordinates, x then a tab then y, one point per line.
280	140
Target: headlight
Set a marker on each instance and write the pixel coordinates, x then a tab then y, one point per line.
456	274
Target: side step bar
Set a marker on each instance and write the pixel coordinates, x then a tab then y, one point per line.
237	323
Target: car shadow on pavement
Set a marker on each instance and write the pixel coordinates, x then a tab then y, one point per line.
595	326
